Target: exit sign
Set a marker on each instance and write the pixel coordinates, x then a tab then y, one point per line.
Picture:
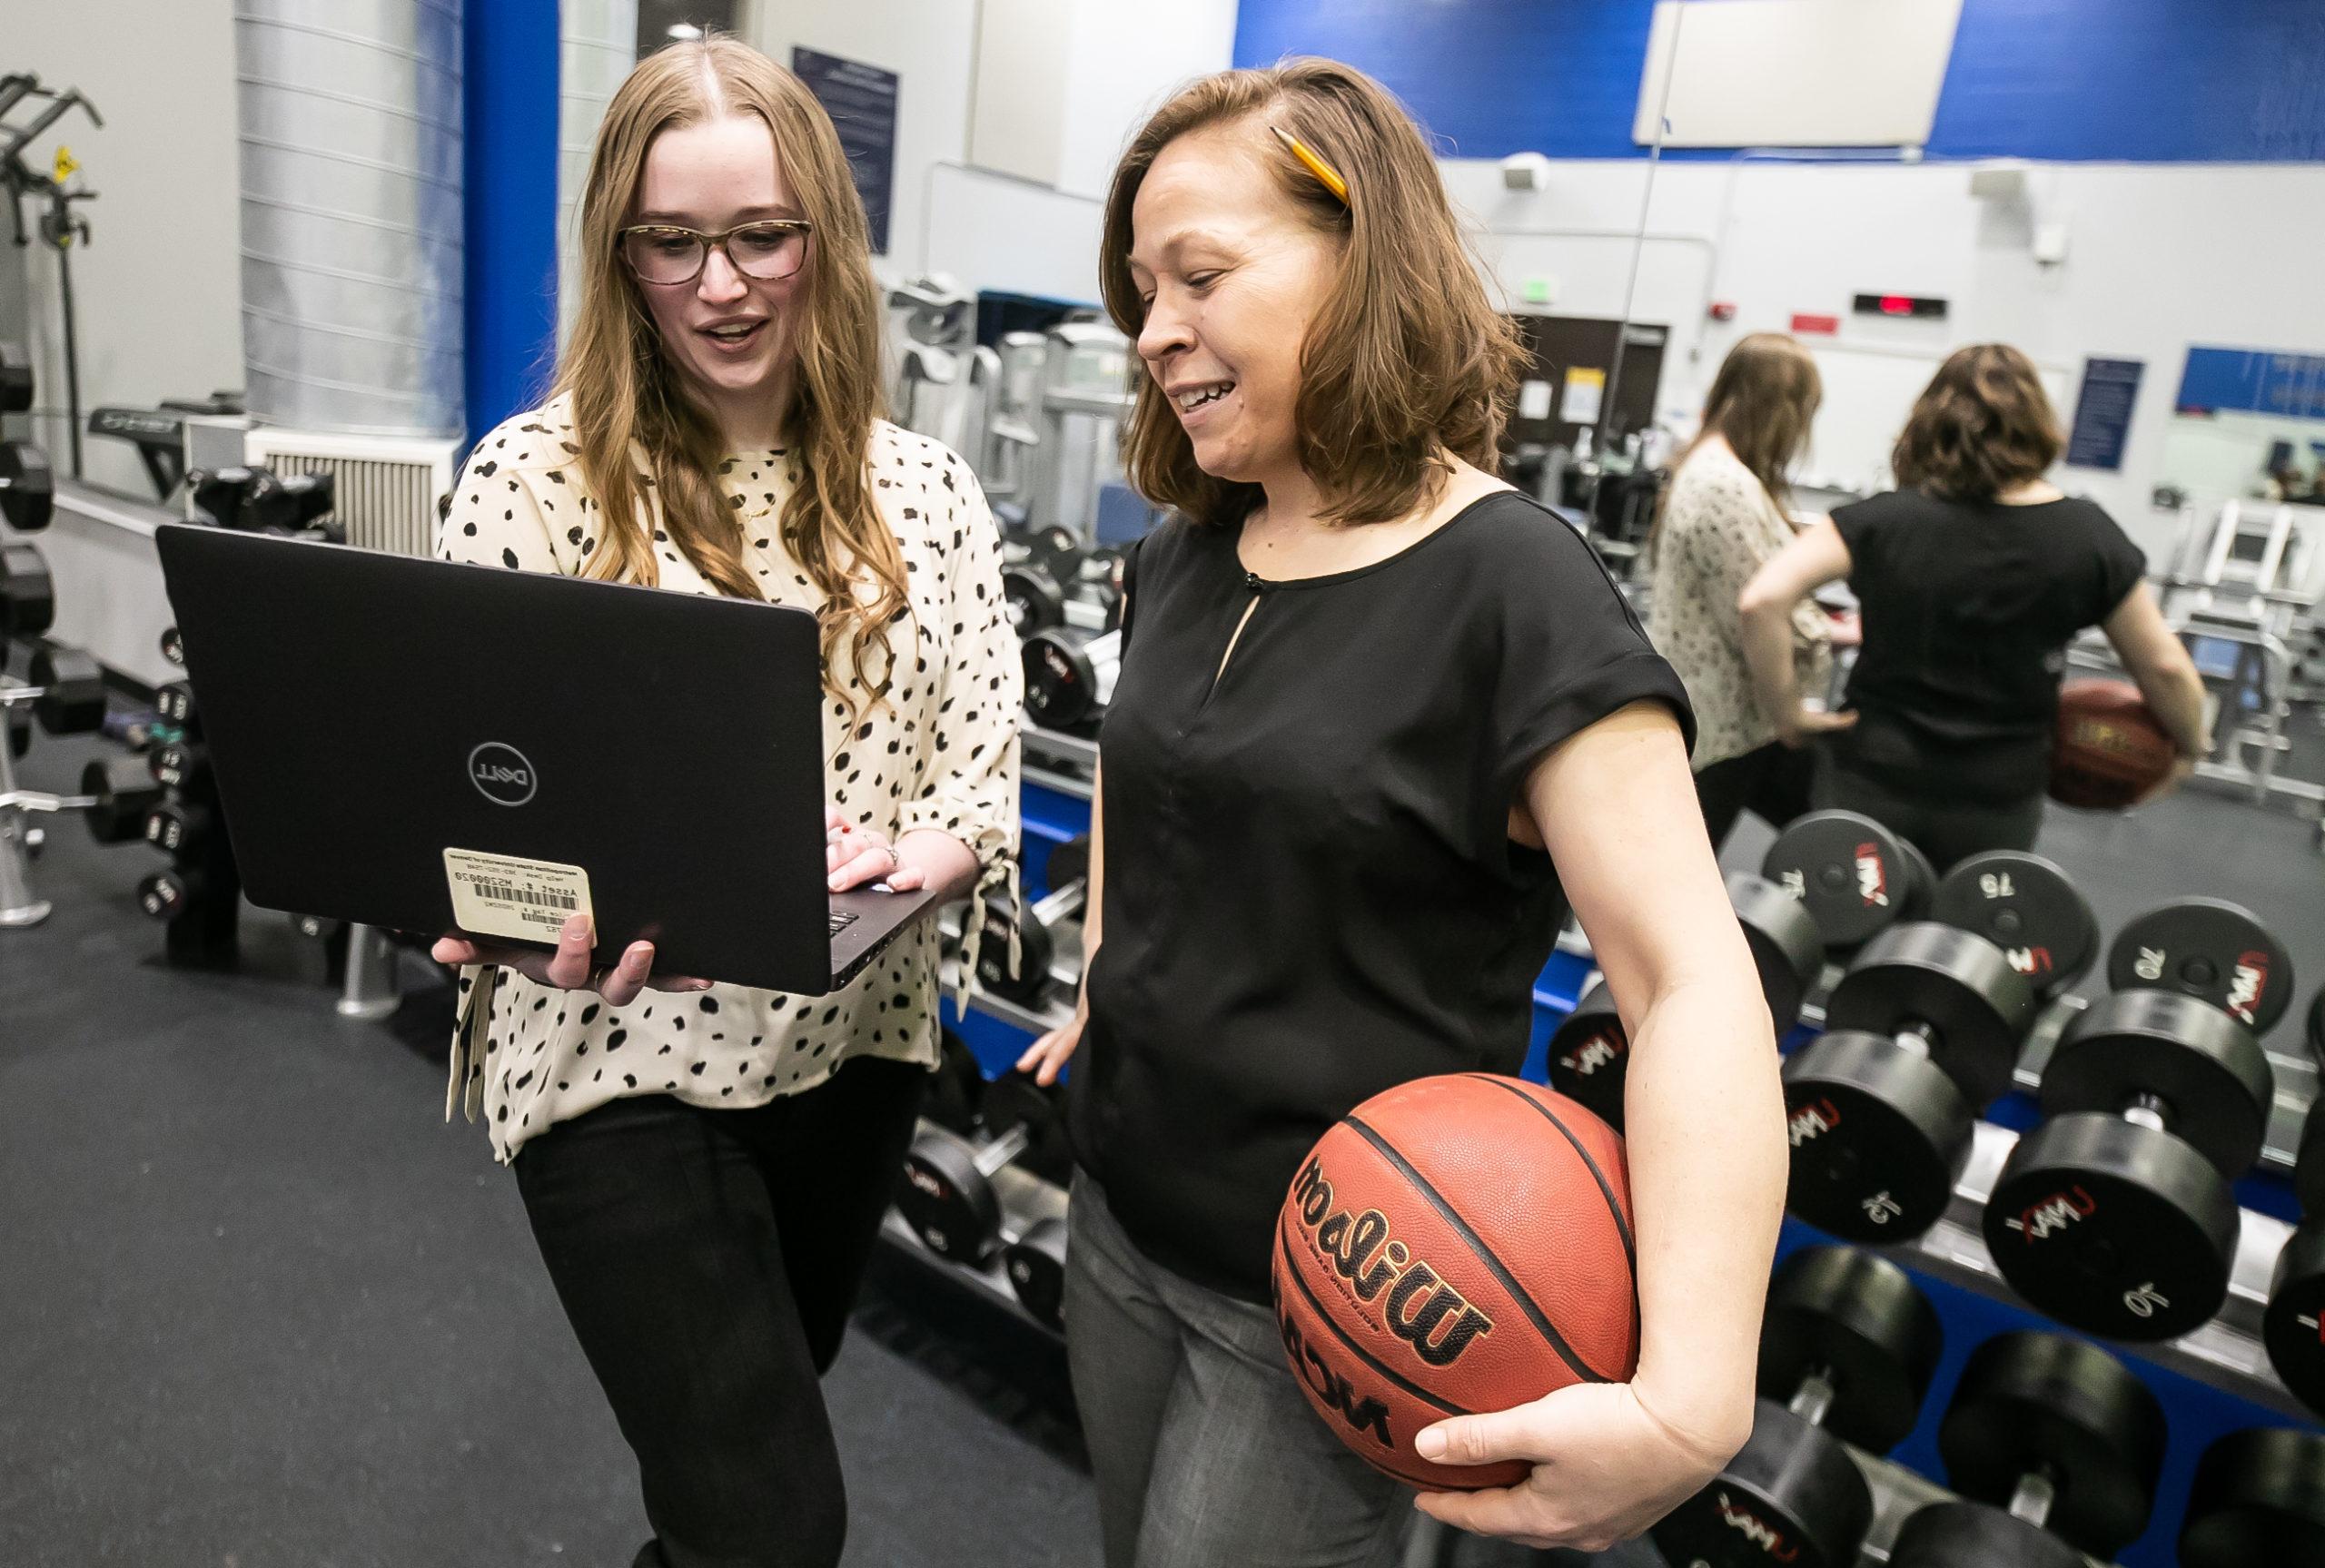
1902	307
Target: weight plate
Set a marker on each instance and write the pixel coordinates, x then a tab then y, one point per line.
1852	874
2293	1327
1066	680
1786	947
1793	1495
1958	986
125	794
1920	883
175	703
2210	1074
2114	1228
1879	1136
1035	602
1590	1053
1015	1100
1035	1264
1960	1534
955	1087
2032	1401
1861	1321
1036	952
2212	950
947	1200
165	893
172	646
2026	906
2258	1497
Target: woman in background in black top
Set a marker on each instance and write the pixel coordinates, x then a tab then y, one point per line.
1971	577
1379	720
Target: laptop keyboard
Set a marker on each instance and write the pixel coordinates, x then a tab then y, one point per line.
842	919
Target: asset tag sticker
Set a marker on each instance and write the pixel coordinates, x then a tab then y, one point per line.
507	895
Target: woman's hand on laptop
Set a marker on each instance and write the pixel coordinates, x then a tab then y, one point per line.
568	968
855	855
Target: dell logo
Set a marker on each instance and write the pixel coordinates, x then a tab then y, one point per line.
502	775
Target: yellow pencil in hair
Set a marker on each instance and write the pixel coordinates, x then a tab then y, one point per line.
1316	166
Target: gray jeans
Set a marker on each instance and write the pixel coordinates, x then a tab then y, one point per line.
1204	1449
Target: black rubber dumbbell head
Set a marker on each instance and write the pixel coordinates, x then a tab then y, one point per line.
1977	1535
1955	992
1879	1136
124	791
166	894
1029	983
947	1199
1035	1264
2210	949
2118	1215
2292	1326
73	691
2259	1498
955	1087
1854	876
2029	908
1846	1350
2035	1410
1013	1101
1590	1053
1786	947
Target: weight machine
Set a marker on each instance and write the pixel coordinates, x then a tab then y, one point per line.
59	224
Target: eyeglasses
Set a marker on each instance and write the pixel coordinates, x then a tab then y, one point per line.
664	253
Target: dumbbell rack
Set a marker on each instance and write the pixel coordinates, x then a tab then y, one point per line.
1025	1199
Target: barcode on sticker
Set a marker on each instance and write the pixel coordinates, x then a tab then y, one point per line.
509	894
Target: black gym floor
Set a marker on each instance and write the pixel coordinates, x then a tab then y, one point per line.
259	1307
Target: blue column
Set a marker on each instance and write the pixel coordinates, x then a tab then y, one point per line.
510	92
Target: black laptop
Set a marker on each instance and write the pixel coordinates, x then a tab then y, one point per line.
427	747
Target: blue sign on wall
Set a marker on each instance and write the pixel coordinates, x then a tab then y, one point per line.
2252	381
2102	412
861	102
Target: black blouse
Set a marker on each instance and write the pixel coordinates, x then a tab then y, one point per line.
1310	890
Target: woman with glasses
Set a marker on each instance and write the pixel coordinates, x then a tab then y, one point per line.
704	1166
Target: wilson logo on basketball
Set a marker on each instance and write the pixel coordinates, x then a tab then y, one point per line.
1421	1308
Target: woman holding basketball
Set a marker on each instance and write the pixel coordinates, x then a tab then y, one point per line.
1972	578
704	1167
1380	719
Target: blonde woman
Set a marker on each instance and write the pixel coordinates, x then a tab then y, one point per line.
704	1167
1722	520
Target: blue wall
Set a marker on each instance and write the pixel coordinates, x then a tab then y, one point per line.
2127	81
509	92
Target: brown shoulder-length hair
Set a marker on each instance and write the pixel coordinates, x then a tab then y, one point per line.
1407	356
1982	425
629	399
1762	402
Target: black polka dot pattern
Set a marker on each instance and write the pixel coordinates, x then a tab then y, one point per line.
941	755
1719	526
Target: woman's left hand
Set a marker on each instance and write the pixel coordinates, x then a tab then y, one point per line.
855	855
1606	1467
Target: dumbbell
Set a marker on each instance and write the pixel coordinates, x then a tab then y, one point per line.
1846	1349
1855	877
1068	876
20	730
121	794
1881	1109
2054	1448
27	488
15	378
2118	1215
72	700
948	1197
1035	1264
183	765
28	593
2258	1497
166	894
285	503
1589	1051
1036	567
175	826
1070	674
217	495
2028	907
175	703
2294	1326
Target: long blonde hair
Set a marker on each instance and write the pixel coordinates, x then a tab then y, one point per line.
626	396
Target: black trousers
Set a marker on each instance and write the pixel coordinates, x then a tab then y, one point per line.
708	1260
1772	781
1947	830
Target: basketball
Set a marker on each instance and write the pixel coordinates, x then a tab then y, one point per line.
2110	749
1455	1246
